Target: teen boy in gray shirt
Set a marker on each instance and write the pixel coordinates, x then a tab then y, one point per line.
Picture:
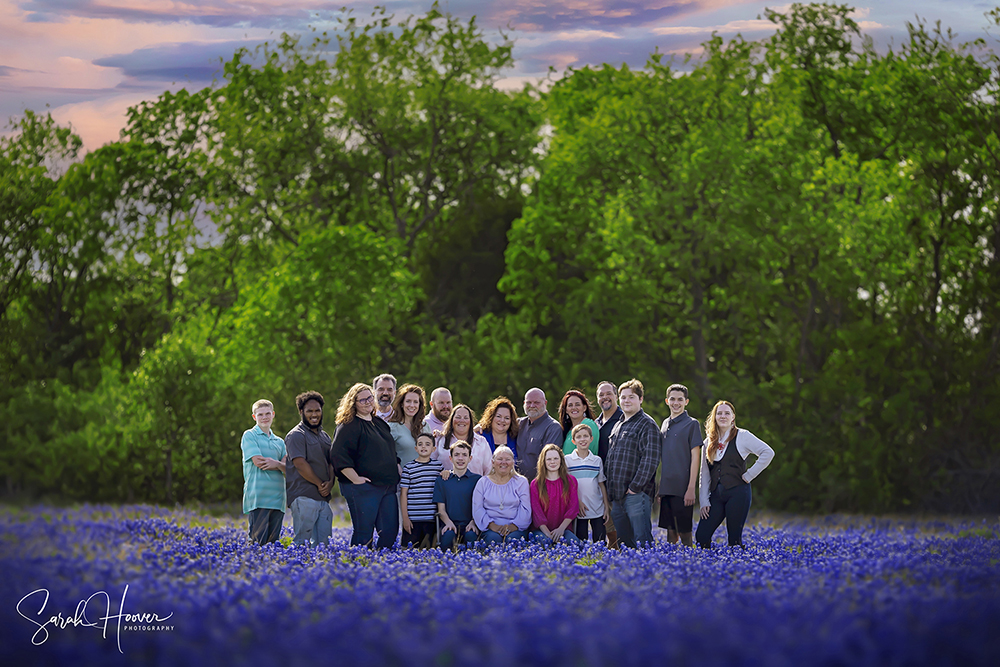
681	456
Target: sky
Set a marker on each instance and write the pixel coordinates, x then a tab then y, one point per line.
87	61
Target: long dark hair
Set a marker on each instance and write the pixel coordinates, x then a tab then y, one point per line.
399	417
564	420
449	426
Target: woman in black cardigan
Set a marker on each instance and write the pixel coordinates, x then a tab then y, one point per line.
364	455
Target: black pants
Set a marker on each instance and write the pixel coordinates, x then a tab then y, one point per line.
733	505
675	515
597	524
421	529
265	525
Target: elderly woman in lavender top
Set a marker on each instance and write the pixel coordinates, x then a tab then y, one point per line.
501	503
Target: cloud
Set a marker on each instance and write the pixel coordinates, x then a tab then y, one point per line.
178	61
100	121
527	15
283	14
751	25
11	71
559	15
633	50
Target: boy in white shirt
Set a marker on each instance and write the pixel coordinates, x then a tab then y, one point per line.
588	469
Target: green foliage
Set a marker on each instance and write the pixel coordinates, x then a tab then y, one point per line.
803	225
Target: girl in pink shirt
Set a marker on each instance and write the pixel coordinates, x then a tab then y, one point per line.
555	502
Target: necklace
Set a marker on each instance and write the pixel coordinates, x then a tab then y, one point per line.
503	492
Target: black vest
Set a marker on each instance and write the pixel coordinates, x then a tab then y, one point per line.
729	470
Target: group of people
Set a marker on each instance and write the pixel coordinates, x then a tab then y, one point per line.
453	481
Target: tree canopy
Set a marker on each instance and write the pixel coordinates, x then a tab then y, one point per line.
806	226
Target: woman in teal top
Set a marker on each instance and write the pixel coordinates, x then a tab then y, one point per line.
575	409
407	421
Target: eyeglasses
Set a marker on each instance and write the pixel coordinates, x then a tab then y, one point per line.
370	399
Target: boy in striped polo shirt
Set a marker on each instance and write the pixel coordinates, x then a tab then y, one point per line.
417	494
588	469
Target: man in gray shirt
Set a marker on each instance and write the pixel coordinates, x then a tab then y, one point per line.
309	479
535	430
681	456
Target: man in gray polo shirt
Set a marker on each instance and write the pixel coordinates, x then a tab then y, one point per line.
535	430
309	480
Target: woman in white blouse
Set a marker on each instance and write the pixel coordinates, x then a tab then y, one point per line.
725	479
459	427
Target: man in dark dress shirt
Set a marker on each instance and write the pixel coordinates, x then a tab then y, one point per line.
607	400
309	480
633	457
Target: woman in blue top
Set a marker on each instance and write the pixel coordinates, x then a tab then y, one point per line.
499	424
575	409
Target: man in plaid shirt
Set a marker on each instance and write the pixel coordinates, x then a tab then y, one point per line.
631	464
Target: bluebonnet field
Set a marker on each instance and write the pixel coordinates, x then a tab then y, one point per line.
805	592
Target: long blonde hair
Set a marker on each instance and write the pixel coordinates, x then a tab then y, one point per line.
712	432
348	408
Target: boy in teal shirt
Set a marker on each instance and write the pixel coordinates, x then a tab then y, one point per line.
263	475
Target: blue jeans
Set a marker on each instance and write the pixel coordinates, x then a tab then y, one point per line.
467	537
373	507
733	505
493	537
633	518
312	520
538	537
265	525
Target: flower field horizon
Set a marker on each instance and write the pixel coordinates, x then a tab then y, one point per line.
129	585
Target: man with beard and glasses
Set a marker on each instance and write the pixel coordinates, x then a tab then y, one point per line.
440	410
309	479
385	391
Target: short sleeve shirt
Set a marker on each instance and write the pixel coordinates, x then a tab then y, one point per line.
680	436
589	473
262	489
456	494
314	447
418	479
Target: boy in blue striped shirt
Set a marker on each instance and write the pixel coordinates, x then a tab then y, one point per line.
417	495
